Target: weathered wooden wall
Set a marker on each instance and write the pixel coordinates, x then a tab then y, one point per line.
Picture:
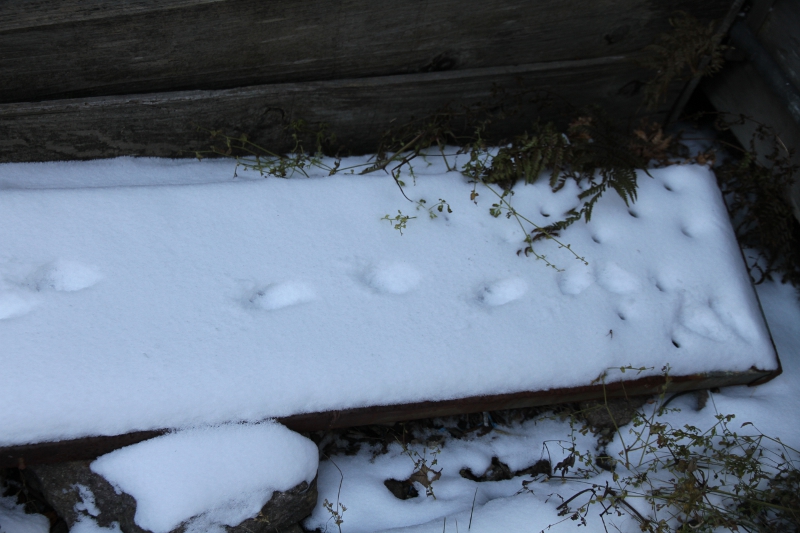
764	83
358	110
85	78
75	48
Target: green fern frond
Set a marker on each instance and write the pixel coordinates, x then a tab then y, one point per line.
691	49
528	156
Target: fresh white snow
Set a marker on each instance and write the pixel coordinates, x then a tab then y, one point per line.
87	525
214	475
141	293
372	507
130	306
504	506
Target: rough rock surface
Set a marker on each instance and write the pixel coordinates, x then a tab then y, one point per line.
614	413
74	491
65	487
285	509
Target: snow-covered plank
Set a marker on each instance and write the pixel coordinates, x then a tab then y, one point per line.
136	308
87	448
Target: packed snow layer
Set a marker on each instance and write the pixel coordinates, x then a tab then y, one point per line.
214	476
129	307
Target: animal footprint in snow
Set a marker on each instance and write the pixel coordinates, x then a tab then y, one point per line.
702	319
280	295
393	278
502	291
575	279
14	305
63	275
616	279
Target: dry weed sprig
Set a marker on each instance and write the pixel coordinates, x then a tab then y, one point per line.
693	479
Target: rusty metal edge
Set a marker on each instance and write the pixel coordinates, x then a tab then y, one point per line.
87	448
778	371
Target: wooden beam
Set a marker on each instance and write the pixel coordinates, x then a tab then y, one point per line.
52	49
357	110
91	447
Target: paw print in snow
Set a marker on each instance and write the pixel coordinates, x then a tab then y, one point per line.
393	278
280	295
64	275
502	291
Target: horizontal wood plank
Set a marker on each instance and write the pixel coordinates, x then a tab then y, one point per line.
357	110
22	14
91	447
70	48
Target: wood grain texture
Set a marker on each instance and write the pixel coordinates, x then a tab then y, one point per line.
358	111
74	48
780	35
91	447
22	14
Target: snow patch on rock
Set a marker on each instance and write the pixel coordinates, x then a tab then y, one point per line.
213	476
87	502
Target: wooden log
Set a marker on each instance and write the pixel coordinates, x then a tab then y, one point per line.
91	447
357	110
53	49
